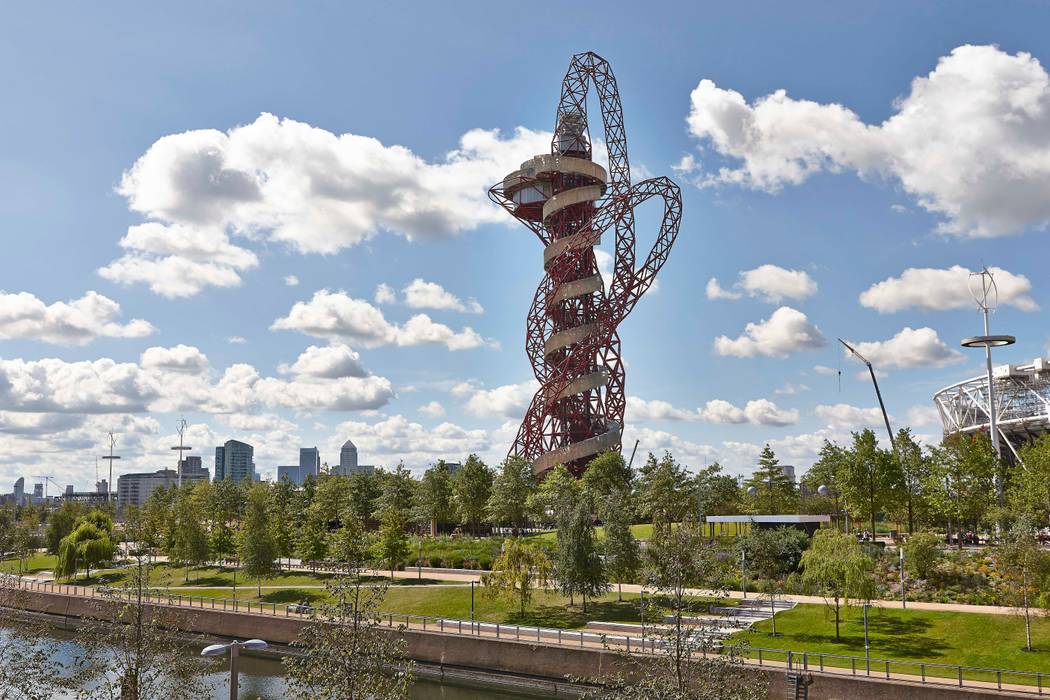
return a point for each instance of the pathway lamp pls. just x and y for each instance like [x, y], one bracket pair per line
[234, 649]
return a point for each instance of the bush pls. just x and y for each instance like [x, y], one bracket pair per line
[922, 553]
[485, 563]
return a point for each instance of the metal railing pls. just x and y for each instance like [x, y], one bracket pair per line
[1033, 682]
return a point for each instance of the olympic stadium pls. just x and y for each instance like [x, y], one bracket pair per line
[1022, 404]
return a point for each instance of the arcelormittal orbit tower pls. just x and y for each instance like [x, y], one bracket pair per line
[570, 202]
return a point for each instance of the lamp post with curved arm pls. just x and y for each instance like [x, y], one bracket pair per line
[234, 649]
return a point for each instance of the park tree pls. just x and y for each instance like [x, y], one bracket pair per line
[835, 565]
[282, 508]
[225, 507]
[24, 541]
[827, 471]
[365, 491]
[1029, 488]
[331, 498]
[312, 540]
[607, 474]
[558, 491]
[89, 544]
[471, 489]
[349, 544]
[622, 553]
[399, 490]
[434, 496]
[129, 652]
[256, 547]
[189, 536]
[392, 546]
[60, 523]
[1026, 567]
[915, 471]
[508, 501]
[521, 568]
[716, 492]
[871, 480]
[578, 566]
[774, 490]
[772, 554]
[663, 494]
[961, 482]
[344, 651]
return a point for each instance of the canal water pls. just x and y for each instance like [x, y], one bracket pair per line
[263, 678]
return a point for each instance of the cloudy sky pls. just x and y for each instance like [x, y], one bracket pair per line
[272, 221]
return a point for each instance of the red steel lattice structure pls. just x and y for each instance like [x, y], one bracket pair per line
[570, 202]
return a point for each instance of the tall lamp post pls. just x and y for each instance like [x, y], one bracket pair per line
[234, 649]
[986, 294]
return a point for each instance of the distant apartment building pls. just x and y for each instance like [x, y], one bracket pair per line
[192, 469]
[789, 471]
[235, 460]
[135, 489]
[20, 491]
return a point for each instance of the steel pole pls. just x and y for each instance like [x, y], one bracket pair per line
[993, 421]
[904, 596]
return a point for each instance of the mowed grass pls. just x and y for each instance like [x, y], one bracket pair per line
[954, 638]
[35, 564]
[640, 532]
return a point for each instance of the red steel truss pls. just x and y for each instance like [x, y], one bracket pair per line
[570, 202]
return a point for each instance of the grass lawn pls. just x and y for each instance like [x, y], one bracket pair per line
[965, 639]
[164, 575]
[640, 532]
[37, 562]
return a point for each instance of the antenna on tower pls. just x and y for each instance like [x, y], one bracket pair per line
[180, 427]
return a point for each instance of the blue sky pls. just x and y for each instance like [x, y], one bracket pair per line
[163, 174]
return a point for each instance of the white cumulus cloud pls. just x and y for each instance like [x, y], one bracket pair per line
[787, 330]
[770, 283]
[507, 401]
[420, 294]
[942, 289]
[970, 141]
[326, 362]
[911, 347]
[76, 322]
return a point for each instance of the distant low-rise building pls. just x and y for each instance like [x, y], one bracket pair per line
[135, 489]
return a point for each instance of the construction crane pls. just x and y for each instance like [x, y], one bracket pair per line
[878, 394]
[46, 479]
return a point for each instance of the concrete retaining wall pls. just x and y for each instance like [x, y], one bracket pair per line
[484, 653]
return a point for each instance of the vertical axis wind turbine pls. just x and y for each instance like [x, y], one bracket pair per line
[987, 298]
[181, 428]
[110, 457]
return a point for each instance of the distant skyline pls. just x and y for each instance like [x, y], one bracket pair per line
[272, 219]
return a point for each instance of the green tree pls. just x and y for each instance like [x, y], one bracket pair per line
[190, 538]
[836, 566]
[434, 497]
[1025, 565]
[392, 547]
[606, 474]
[284, 516]
[578, 565]
[664, 495]
[622, 556]
[773, 554]
[508, 501]
[961, 482]
[827, 471]
[349, 544]
[774, 490]
[471, 489]
[23, 543]
[519, 569]
[558, 490]
[225, 507]
[256, 547]
[89, 545]
[60, 523]
[331, 499]
[915, 471]
[871, 480]
[313, 539]
[345, 651]
[399, 490]
[716, 493]
[365, 491]
[1029, 487]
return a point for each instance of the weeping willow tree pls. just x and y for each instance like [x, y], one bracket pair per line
[90, 544]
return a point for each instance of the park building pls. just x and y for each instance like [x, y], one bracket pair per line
[235, 460]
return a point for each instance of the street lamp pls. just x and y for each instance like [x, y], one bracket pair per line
[867, 642]
[181, 428]
[987, 297]
[234, 648]
[110, 458]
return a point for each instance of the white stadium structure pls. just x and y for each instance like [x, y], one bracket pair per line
[1022, 402]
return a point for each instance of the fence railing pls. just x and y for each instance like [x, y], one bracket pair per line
[1033, 682]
